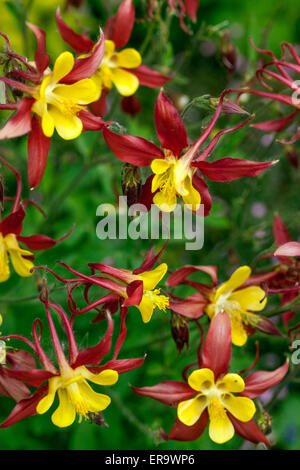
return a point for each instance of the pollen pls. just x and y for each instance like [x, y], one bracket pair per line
[160, 301]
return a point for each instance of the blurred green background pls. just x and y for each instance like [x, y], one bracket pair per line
[74, 184]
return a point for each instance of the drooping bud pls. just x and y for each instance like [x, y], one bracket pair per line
[131, 105]
[264, 421]
[131, 183]
[228, 106]
[180, 331]
[291, 155]
[98, 419]
[228, 51]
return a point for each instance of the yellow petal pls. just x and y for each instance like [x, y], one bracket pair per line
[4, 264]
[129, 58]
[45, 403]
[63, 65]
[251, 298]
[68, 126]
[47, 124]
[125, 82]
[189, 411]
[146, 308]
[220, 427]
[201, 379]
[238, 332]
[21, 265]
[109, 47]
[65, 414]
[192, 197]
[82, 92]
[231, 383]
[151, 278]
[236, 280]
[106, 377]
[166, 200]
[159, 166]
[95, 401]
[242, 408]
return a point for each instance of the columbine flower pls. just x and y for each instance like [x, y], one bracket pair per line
[70, 379]
[238, 302]
[122, 68]
[280, 71]
[214, 395]
[128, 288]
[57, 100]
[10, 237]
[178, 168]
[239, 297]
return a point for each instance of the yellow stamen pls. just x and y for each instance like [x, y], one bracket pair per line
[158, 300]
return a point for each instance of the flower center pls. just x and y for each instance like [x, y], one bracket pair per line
[224, 304]
[158, 300]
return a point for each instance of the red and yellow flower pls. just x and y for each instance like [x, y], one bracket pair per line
[128, 288]
[10, 236]
[240, 297]
[57, 100]
[178, 168]
[121, 68]
[70, 380]
[214, 396]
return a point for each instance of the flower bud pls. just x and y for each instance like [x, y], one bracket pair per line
[98, 419]
[264, 421]
[228, 51]
[180, 331]
[131, 105]
[131, 183]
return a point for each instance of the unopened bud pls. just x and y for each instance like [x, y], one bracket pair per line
[98, 419]
[228, 51]
[131, 105]
[291, 155]
[131, 183]
[180, 331]
[264, 421]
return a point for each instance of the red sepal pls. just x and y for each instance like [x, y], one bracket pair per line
[181, 274]
[148, 77]
[216, 353]
[181, 432]
[169, 126]
[170, 392]
[249, 431]
[41, 57]
[38, 149]
[229, 169]
[25, 408]
[86, 67]
[120, 26]
[20, 123]
[13, 223]
[260, 381]
[132, 149]
[79, 42]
